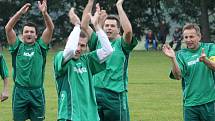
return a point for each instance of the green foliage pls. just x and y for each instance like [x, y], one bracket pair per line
[143, 14]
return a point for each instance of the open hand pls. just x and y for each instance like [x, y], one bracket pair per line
[25, 8]
[119, 3]
[95, 18]
[168, 51]
[91, 1]
[42, 5]
[74, 19]
[203, 55]
[102, 17]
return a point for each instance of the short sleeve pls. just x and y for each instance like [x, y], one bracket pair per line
[59, 67]
[211, 50]
[14, 46]
[92, 43]
[42, 44]
[94, 63]
[128, 47]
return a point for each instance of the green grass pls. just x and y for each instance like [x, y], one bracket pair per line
[152, 95]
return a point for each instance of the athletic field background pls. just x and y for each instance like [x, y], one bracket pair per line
[152, 95]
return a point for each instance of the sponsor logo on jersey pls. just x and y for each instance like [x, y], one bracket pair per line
[80, 70]
[193, 62]
[28, 54]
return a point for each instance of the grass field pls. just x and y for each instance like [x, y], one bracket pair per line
[152, 95]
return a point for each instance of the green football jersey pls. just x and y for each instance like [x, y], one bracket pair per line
[76, 93]
[115, 77]
[198, 81]
[3, 67]
[28, 62]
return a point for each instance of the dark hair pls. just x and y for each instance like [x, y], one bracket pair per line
[31, 24]
[114, 17]
[192, 26]
[83, 34]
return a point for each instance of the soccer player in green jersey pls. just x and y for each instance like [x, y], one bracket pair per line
[111, 84]
[74, 70]
[195, 65]
[4, 75]
[28, 62]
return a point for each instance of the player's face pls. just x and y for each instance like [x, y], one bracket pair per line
[111, 29]
[82, 47]
[191, 38]
[29, 35]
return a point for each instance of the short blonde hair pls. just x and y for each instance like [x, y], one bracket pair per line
[192, 26]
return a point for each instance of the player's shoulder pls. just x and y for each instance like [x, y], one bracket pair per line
[57, 54]
[184, 50]
[207, 45]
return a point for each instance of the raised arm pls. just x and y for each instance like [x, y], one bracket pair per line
[126, 25]
[106, 48]
[85, 21]
[10, 33]
[169, 52]
[210, 62]
[102, 17]
[72, 42]
[47, 33]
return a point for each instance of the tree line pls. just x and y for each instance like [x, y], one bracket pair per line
[143, 14]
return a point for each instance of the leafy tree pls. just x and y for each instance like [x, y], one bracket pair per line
[143, 14]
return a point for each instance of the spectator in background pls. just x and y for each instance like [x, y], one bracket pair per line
[150, 39]
[163, 31]
[177, 37]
